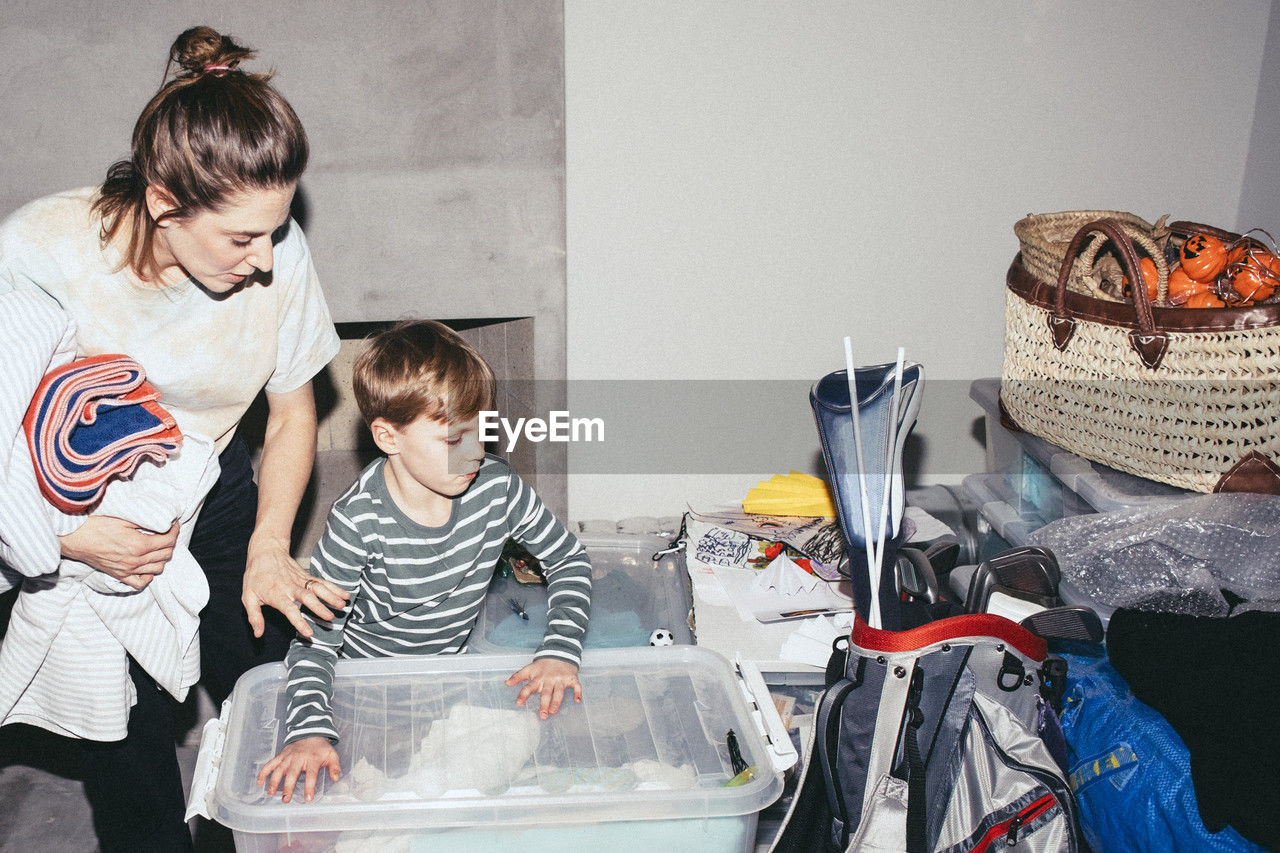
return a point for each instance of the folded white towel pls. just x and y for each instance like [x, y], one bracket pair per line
[63, 662]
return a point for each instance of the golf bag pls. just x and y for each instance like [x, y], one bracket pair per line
[886, 420]
[928, 740]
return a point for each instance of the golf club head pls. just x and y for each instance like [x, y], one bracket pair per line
[1042, 601]
[916, 577]
[943, 556]
[981, 579]
[1066, 623]
[1029, 567]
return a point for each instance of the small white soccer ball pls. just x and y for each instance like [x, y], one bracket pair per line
[662, 637]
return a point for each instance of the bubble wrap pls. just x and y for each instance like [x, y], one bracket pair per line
[1176, 558]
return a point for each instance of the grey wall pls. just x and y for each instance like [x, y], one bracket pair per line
[1260, 194]
[749, 181]
[437, 132]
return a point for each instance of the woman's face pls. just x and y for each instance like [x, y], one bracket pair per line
[221, 248]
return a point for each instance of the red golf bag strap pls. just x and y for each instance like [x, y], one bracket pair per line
[954, 628]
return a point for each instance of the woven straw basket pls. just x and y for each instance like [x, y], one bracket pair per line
[1189, 397]
[1044, 238]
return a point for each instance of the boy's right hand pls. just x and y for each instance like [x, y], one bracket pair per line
[309, 755]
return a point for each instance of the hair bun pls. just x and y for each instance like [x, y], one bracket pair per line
[202, 49]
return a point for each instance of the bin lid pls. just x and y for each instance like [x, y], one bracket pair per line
[632, 595]
[438, 741]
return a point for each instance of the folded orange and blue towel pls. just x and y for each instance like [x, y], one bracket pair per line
[93, 420]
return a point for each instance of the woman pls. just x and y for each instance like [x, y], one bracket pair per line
[186, 260]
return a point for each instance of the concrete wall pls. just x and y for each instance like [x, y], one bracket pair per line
[748, 182]
[437, 133]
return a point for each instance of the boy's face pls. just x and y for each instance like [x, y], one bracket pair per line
[440, 457]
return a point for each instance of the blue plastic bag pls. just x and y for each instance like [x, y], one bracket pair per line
[1130, 771]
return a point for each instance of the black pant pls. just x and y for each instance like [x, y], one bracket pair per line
[220, 543]
[133, 785]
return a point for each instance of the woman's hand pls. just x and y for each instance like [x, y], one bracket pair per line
[302, 757]
[274, 578]
[551, 678]
[271, 576]
[125, 551]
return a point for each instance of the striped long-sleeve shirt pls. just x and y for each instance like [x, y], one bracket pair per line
[418, 590]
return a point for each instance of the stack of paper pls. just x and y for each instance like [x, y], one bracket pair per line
[812, 640]
[785, 577]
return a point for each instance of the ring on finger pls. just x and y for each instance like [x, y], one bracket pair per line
[307, 586]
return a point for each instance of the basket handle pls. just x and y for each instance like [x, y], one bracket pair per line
[1149, 343]
[1186, 229]
[1089, 254]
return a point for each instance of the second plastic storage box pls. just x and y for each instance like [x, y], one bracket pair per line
[437, 757]
[1048, 482]
[795, 694]
[1001, 526]
[632, 595]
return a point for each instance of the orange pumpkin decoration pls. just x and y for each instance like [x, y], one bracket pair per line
[1268, 265]
[1253, 279]
[1237, 251]
[1150, 277]
[1182, 287]
[1203, 257]
[1204, 299]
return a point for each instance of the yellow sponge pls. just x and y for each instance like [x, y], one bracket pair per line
[796, 493]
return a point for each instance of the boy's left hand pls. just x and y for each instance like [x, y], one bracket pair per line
[551, 678]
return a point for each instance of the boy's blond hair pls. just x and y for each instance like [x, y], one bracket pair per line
[421, 367]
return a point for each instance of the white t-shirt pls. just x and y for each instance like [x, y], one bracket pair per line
[208, 355]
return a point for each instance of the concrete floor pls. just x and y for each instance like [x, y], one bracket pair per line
[45, 810]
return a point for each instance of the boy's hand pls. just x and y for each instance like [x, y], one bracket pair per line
[309, 755]
[550, 677]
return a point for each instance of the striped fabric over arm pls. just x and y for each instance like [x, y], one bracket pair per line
[339, 556]
[565, 564]
[35, 335]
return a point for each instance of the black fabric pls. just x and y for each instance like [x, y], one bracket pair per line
[860, 585]
[1217, 682]
[808, 825]
[220, 544]
[134, 786]
[917, 807]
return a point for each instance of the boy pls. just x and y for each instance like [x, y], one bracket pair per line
[415, 539]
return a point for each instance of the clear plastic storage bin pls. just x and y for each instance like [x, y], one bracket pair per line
[437, 757]
[1051, 483]
[632, 595]
[1002, 526]
[795, 693]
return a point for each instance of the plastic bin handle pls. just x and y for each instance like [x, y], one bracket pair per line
[765, 714]
[208, 763]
